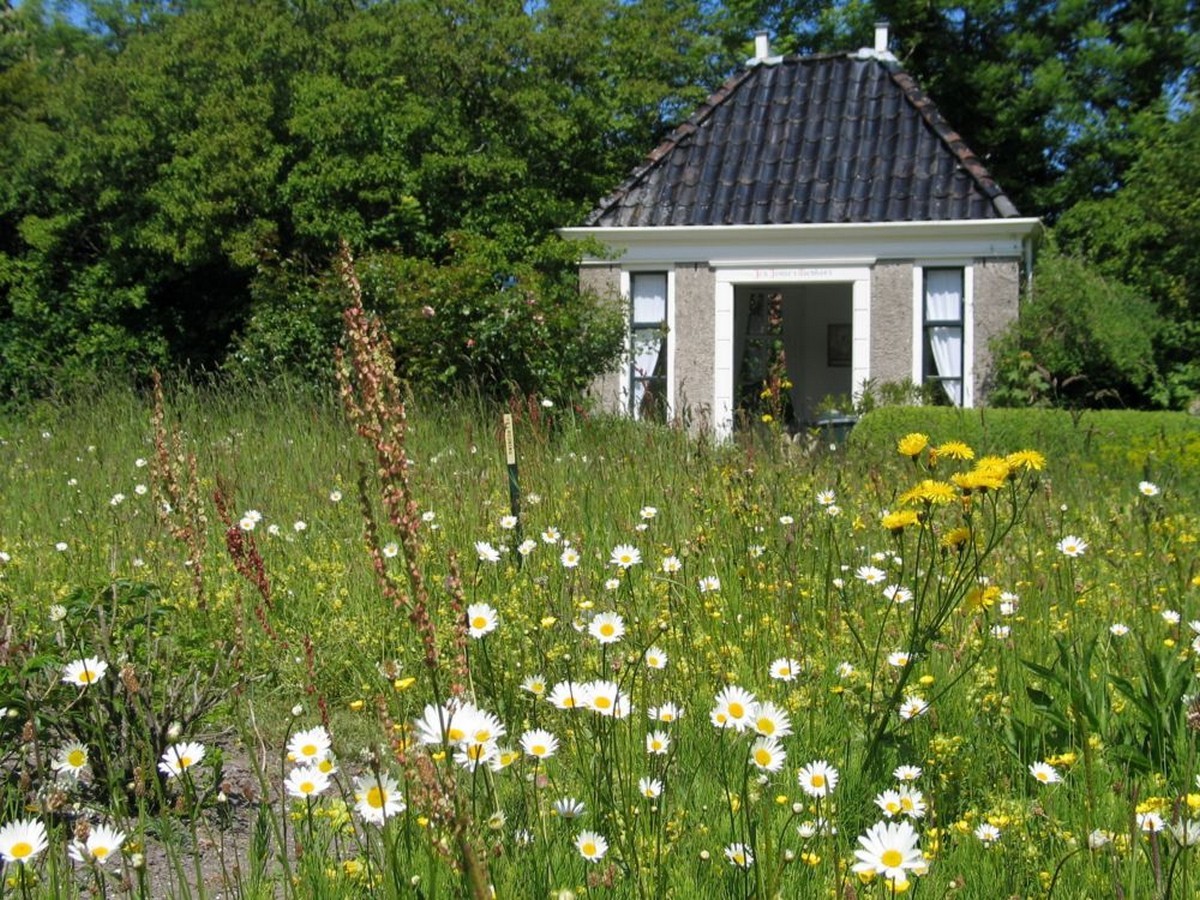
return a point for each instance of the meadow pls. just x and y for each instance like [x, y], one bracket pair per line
[257, 646]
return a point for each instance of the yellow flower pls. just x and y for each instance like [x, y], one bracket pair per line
[996, 466]
[1026, 459]
[956, 450]
[954, 538]
[930, 491]
[898, 521]
[983, 597]
[912, 444]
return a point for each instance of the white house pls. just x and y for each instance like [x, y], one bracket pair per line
[818, 214]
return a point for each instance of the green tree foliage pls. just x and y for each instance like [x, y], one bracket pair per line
[179, 180]
[1056, 94]
[1145, 237]
[1082, 340]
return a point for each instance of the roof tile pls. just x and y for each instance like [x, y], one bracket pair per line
[809, 140]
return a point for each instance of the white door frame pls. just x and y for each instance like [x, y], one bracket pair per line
[858, 277]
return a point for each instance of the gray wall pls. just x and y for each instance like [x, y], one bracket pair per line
[695, 336]
[997, 298]
[891, 321]
[605, 281]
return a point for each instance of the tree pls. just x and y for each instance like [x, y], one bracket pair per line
[180, 187]
[1145, 236]
[1054, 94]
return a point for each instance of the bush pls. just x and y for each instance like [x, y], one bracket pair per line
[1082, 341]
[479, 322]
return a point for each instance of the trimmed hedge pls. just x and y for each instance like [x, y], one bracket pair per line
[1108, 445]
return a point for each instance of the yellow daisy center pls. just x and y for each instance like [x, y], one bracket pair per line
[307, 787]
[184, 762]
[607, 629]
[891, 858]
[602, 702]
[766, 726]
[77, 758]
[589, 849]
[308, 750]
[455, 734]
[762, 756]
[478, 623]
[737, 710]
[100, 852]
[20, 850]
[539, 749]
[87, 676]
[375, 798]
[818, 780]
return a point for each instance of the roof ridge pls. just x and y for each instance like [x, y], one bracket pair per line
[953, 141]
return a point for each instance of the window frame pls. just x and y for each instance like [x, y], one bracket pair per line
[924, 368]
[663, 383]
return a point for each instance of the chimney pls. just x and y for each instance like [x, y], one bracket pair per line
[762, 45]
[881, 36]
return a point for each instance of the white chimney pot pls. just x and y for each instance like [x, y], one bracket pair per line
[762, 45]
[881, 37]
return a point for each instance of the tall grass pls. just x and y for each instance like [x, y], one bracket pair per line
[762, 576]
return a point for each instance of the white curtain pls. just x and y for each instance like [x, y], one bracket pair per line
[648, 344]
[944, 303]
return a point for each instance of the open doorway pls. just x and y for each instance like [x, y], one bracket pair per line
[792, 349]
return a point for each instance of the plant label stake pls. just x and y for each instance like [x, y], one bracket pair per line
[514, 487]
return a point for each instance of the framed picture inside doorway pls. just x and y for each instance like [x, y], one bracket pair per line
[838, 345]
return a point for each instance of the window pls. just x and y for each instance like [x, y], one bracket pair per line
[648, 346]
[943, 332]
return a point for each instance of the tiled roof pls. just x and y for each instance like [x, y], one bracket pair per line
[801, 140]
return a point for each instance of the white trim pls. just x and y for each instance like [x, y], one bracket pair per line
[722, 400]
[968, 384]
[671, 342]
[626, 288]
[858, 277]
[765, 245]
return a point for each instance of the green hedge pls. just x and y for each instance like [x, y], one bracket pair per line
[1109, 445]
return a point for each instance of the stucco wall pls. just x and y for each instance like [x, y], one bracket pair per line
[695, 339]
[997, 297]
[605, 281]
[891, 321]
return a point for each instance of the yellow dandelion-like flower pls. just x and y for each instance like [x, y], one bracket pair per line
[1030, 460]
[912, 444]
[995, 466]
[955, 450]
[898, 521]
[955, 538]
[930, 491]
[983, 597]
[978, 480]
